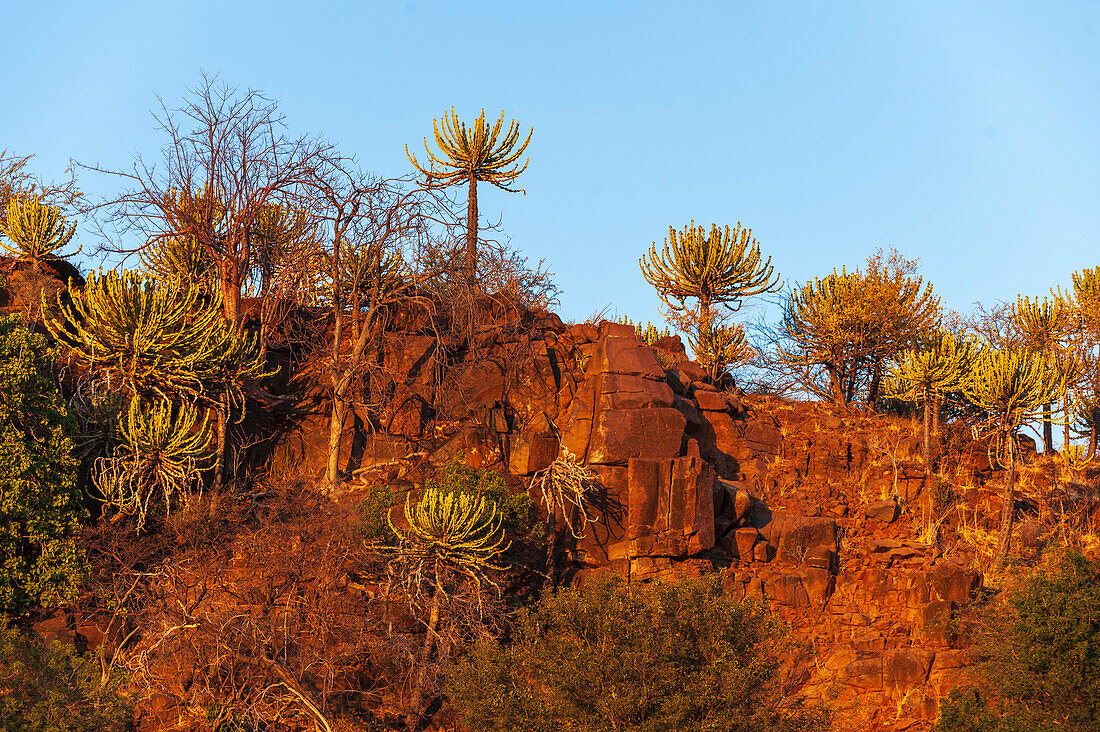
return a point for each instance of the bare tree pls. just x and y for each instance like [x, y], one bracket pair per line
[227, 161]
[378, 242]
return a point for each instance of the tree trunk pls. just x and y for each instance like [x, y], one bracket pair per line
[1008, 506]
[1048, 429]
[335, 432]
[937, 402]
[928, 407]
[412, 717]
[1092, 433]
[876, 381]
[1065, 423]
[222, 439]
[341, 381]
[231, 292]
[471, 232]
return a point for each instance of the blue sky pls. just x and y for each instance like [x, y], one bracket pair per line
[965, 134]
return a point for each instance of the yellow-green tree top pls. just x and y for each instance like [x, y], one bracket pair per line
[155, 338]
[161, 449]
[479, 152]
[941, 365]
[839, 330]
[866, 313]
[1042, 325]
[722, 266]
[461, 529]
[181, 259]
[719, 346]
[1012, 386]
[35, 229]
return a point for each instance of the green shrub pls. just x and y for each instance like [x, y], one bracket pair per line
[1040, 657]
[54, 689]
[40, 504]
[373, 509]
[629, 657]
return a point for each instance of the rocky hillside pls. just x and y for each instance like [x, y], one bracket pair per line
[831, 518]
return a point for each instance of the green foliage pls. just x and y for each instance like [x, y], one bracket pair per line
[36, 230]
[939, 365]
[1040, 657]
[717, 347]
[648, 333]
[475, 153]
[152, 338]
[1011, 386]
[722, 266]
[374, 510]
[54, 689]
[40, 504]
[181, 260]
[630, 658]
[516, 511]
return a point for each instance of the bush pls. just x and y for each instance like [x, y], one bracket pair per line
[617, 656]
[54, 689]
[41, 507]
[1040, 657]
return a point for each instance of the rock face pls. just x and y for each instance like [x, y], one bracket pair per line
[807, 509]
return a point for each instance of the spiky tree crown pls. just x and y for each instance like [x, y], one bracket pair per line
[718, 347]
[37, 230]
[480, 151]
[1042, 325]
[1012, 386]
[161, 449]
[865, 313]
[941, 365]
[722, 266]
[183, 260]
[155, 339]
[460, 529]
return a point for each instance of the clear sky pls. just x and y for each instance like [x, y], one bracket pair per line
[965, 134]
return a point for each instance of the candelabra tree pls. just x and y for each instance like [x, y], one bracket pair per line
[922, 375]
[36, 230]
[712, 268]
[1012, 386]
[481, 152]
[1043, 327]
[456, 532]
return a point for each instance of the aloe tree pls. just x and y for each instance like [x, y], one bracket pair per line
[719, 267]
[1042, 327]
[482, 152]
[922, 375]
[1013, 387]
[456, 531]
[36, 230]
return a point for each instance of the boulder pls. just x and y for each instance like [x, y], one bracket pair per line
[787, 589]
[531, 453]
[624, 356]
[712, 401]
[623, 391]
[885, 511]
[905, 668]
